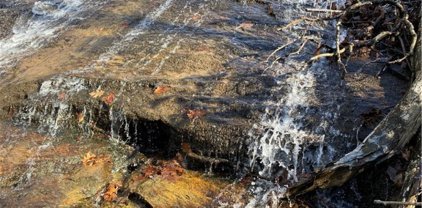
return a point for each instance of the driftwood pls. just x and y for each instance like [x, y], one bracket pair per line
[413, 175]
[413, 182]
[388, 138]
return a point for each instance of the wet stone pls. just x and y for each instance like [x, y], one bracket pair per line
[173, 103]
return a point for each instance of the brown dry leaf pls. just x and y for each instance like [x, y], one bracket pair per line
[220, 17]
[111, 193]
[80, 117]
[171, 170]
[246, 25]
[196, 17]
[89, 159]
[194, 114]
[61, 96]
[97, 93]
[186, 148]
[147, 172]
[161, 90]
[109, 99]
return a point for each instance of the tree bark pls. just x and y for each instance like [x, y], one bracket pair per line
[412, 181]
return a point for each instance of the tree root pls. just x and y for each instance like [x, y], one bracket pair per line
[402, 29]
[391, 135]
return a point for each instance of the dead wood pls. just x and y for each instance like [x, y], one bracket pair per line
[413, 176]
[387, 139]
[391, 135]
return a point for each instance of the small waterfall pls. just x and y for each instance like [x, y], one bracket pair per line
[295, 131]
[63, 106]
[291, 136]
[50, 118]
[281, 142]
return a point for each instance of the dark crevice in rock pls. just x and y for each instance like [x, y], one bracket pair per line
[154, 138]
[139, 200]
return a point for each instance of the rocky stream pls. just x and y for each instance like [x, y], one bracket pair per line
[183, 103]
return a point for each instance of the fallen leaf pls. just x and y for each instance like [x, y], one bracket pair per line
[161, 90]
[125, 25]
[196, 17]
[61, 96]
[171, 170]
[89, 159]
[109, 99]
[147, 172]
[186, 148]
[97, 93]
[246, 26]
[111, 192]
[406, 154]
[80, 117]
[194, 114]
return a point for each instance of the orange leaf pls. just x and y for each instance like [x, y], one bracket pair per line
[109, 99]
[186, 148]
[196, 17]
[147, 172]
[80, 117]
[171, 169]
[97, 93]
[194, 114]
[246, 25]
[89, 159]
[61, 96]
[161, 90]
[111, 192]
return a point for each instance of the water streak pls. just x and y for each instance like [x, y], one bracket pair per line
[139, 29]
[48, 19]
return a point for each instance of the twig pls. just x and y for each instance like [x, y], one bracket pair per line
[378, 60]
[205, 159]
[279, 49]
[297, 21]
[385, 203]
[272, 63]
[404, 50]
[323, 10]
[382, 70]
[339, 62]
[358, 44]
[322, 55]
[300, 48]
[412, 32]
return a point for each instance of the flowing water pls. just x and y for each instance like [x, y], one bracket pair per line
[302, 120]
[44, 22]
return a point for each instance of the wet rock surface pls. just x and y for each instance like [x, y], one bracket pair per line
[40, 171]
[193, 83]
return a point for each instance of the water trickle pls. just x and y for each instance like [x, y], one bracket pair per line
[48, 19]
[48, 109]
[281, 142]
[294, 133]
[135, 32]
